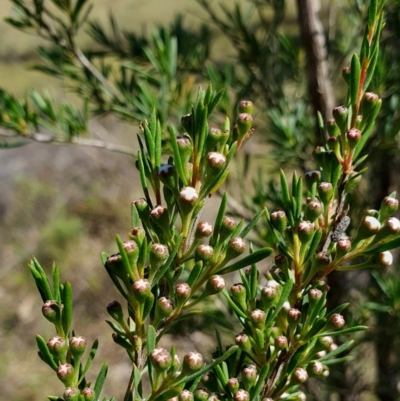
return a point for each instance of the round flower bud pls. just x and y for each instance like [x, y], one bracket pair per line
[332, 128]
[340, 115]
[353, 137]
[312, 178]
[236, 247]
[185, 147]
[244, 122]
[167, 175]
[369, 227]
[204, 229]
[385, 258]
[241, 395]
[77, 346]
[114, 309]
[192, 362]
[368, 103]
[164, 308]
[161, 359]
[243, 341]
[158, 255]
[233, 384]
[279, 220]
[88, 394]
[315, 368]
[58, 347]
[159, 214]
[215, 162]
[246, 106]
[313, 210]
[188, 195]
[389, 205]
[200, 395]
[325, 192]
[213, 137]
[294, 314]
[142, 208]
[326, 341]
[300, 375]
[215, 285]
[71, 394]
[281, 342]
[268, 296]
[258, 318]
[141, 289]
[393, 225]
[249, 376]
[65, 372]
[337, 321]
[132, 251]
[315, 294]
[182, 292]
[305, 231]
[228, 225]
[51, 311]
[204, 253]
[137, 234]
[320, 261]
[185, 395]
[281, 262]
[239, 295]
[343, 246]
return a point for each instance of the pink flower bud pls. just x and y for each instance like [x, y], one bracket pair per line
[300, 375]
[192, 362]
[204, 229]
[88, 394]
[281, 342]
[65, 372]
[337, 321]
[241, 395]
[161, 359]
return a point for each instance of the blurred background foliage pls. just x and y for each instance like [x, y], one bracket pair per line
[66, 203]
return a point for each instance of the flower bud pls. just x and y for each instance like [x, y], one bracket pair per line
[137, 234]
[243, 341]
[241, 395]
[132, 251]
[114, 309]
[204, 230]
[233, 384]
[281, 342]
[239, 295]
[161, 359]
[71, 394]
[325, 192]
[281, 262]
[249, 376]
[214, 285]
[312, 178]
[314, 296]
[158, 255]
[167, 175]
[369, 227]
[305, 231]
[188, 198]
[268, 296]
[213, 137]
[368, 103]
[244, 123]
[200, 395]
[185, 395]
[300, 375]
[204, 253]
[320, 261]
[340, 115]
[187, 123]
[385, 258]
[185, 147]
[337, 321]
[343, 246]
[192, 362]
[294, 314]
[258, 317]
[51, 311]
[159, 215]
[58, 347]
[313, 210]
[142, 208]
[389, 205]
[122, 341]
[77, 346]
[325, 341]
[228, 225]
[65, 372]
[88, 394]
[279, 220]
[182, 293]
[332, 128]
[215, 162]
[246, 106]
[164, 308]
[346, 74]
[353, 137]
[315, 368]
[236, 247]
[141, 289]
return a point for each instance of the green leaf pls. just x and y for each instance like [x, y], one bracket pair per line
[67, 300]
[89, 360]
[285, 191]
[169, 393]
[45, 353]
[218, 220]
[345, 331]
[355, 75]
[98, 385]
[124, 257]
[251, 224]
[151, 339]
[256, 390]
[337, 351]
[135, 219]
[137, 378]
[194, 274]
[177, 157]
[232, 304]
[56, 283]
[372, 13]
[248, 260]
[387, 246]
[287, 288]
